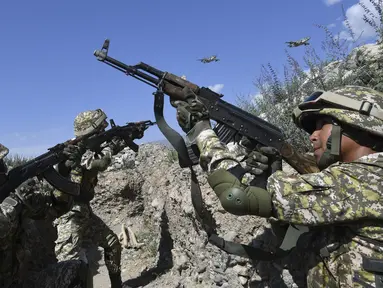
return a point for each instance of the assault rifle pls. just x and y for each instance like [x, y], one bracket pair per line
[42, 166]
[128, 132]
[232, 122]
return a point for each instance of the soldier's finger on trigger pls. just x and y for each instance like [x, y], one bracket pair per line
[259, 157]
[269, 150]
[263, 167]
[256, 171]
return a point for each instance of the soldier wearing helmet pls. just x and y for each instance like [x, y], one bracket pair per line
[29, 201]
[81, 227]
[341, 204]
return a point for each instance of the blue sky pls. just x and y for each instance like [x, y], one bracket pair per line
[49, 74]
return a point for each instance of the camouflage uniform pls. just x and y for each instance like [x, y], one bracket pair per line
[80, 227]
[14, 255]
[346, 197]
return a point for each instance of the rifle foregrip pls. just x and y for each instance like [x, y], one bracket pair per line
[304, 164]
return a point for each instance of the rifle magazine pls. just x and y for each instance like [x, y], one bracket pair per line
[61, 183]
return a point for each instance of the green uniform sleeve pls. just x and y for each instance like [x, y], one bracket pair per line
[340, 193]
[97, 161]
[214, 155]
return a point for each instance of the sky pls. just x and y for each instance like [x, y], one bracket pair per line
[48, 73]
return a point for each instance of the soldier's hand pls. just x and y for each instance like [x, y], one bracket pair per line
[74, 154]
[274, 158]
[257, 163]
[248, 144]
[117, 145]
[261, 159]
[262, 164]
[191, 111]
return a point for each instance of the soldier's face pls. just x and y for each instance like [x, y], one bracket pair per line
[320, 136]
[349, 149]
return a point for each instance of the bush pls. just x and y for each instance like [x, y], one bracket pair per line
[172, 156]
[278, 96]
[14, 160]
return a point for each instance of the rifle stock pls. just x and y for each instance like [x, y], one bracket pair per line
[231, 120]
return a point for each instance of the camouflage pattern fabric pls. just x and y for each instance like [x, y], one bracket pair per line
[66, 274]
[9, 229]
[221, 158]
[90, 160]
[241, 154]
[14, 254]
[87, 121]
[80, 228]
[345, 196]
[3, 151]
[355, 119]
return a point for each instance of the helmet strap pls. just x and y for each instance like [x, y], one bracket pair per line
[332, 154]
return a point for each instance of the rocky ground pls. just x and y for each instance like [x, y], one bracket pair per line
[149, 193]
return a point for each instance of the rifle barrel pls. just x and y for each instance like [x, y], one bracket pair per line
[127, 69]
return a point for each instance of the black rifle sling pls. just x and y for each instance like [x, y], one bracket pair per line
[179, 145]
[173, 137]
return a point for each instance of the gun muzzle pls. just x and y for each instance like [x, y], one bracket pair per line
[101, 56]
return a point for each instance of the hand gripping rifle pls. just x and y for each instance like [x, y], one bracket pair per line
[42, 166]
[230, 119]
[128, 132]
[231, 123]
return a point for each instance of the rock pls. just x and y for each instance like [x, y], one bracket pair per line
[219, 279]
[202, 268]
[157, 203]
[363, 58]
[180, 261]
[151, 194]
[243, 280]
[230, 235]
[241, 270]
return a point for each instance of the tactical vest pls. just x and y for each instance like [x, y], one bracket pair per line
[336, 239]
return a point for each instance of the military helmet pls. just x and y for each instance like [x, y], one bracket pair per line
[356, 107]
[88, 121]
[3, 151]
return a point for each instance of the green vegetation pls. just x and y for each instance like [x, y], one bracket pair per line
[172, 156]
[340, 62]
[13, 160]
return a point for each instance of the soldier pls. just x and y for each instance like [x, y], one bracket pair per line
[341, 205]
[25, 203]
[80, 227]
